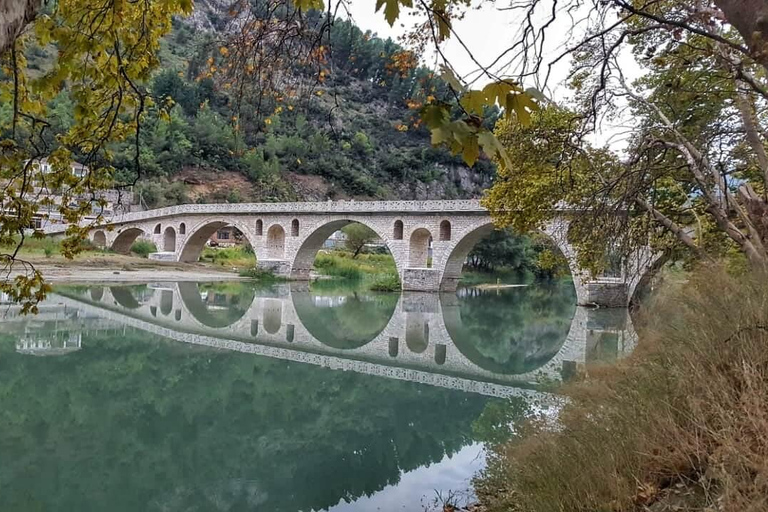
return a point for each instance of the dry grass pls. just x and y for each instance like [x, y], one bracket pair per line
[683, 423]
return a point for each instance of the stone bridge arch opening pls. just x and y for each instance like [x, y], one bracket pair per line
[419, 249]
[169, 240]
[275, 242]
[125, 239]
[213, 308]
[458, 254]
[343, 319]
[100, 239]
[327, 238]
[201, 234]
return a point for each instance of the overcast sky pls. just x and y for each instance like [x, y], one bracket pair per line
[487, 32]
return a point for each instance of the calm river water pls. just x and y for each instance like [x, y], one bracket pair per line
[227, 396]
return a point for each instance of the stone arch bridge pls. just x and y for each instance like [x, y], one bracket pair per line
[287, 236]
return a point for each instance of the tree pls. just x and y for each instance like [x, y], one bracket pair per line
[503, 249]
[358, 236]
[105, 53]
[696, 169]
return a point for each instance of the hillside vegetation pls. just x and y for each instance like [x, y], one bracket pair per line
[356, 135]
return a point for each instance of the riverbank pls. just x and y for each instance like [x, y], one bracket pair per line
[681, 425]
[104, 267]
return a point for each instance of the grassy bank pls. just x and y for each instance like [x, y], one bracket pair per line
[235, 257]
[378, 271]
[681, 425]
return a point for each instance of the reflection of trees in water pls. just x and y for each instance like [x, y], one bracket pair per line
[352, 323]
[142, 425]
[510, 331]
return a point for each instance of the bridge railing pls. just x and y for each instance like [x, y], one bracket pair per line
[317, 207]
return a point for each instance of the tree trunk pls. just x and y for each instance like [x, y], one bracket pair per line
[750, 18]
[14, 16]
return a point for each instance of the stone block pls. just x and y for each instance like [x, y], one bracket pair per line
[277, 267]
[421, 279]
[607, 294]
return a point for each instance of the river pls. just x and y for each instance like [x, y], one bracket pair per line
[231, 396]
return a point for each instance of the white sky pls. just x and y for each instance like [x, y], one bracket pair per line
[487, 32]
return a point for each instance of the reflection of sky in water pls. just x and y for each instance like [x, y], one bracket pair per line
[417, 489]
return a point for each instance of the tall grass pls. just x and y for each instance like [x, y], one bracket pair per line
[337, 266]
[683, 423]
[237, 256]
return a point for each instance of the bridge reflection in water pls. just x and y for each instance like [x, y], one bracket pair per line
[467, 340]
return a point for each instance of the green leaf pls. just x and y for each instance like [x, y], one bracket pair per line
[535, 94]
[473, 102]
[391, 8]
[440, 135]
[522, 105]
[435, 115]
[492, 147]
[496, 92]
[462, 135]
[449, 77]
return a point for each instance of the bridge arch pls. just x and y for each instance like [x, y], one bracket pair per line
[445, 230]
[418, 249]
[305, 256]
[166, 302]
[100, 239]
[199, 235]
[275, 242]
[351, 323]
[397, 230]
[125, 239]
[169, 240]
[458, 252]
[219, 318]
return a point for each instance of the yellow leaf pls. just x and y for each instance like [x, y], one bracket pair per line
[496, 92]
[448, 76]
[522, 105]
[443, 25]
[471, 150]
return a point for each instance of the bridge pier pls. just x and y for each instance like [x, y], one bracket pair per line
[280, 268]
[605, 293]
[421, 279]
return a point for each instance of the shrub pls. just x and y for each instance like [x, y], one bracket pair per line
[259, 274]
[237, 256]
[143, 248]
[386, 283]
[685, 418]
[337, 265]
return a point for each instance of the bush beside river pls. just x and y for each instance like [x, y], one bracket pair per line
[680, 425]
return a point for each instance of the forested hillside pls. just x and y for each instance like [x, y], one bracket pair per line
[355, 134]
